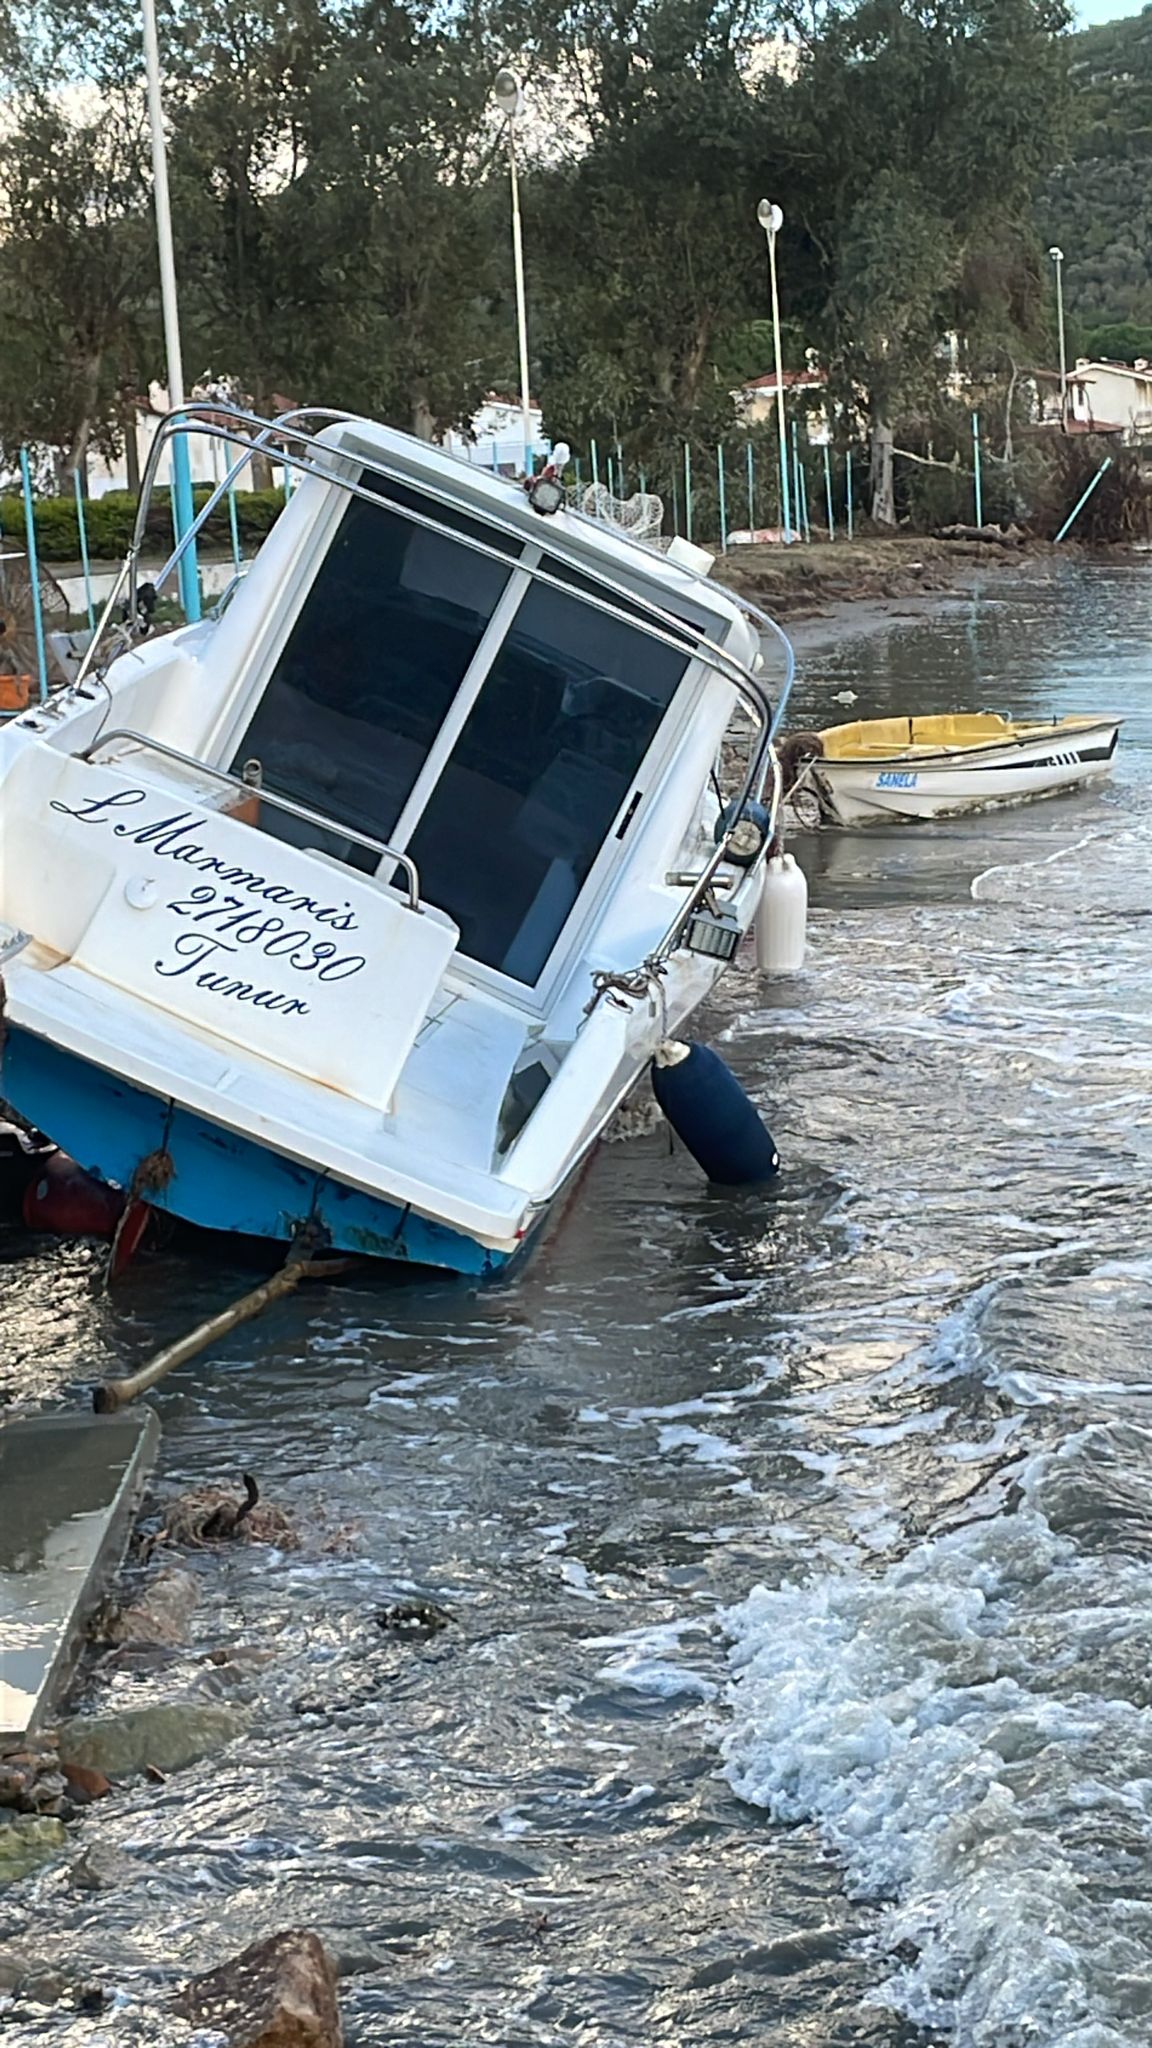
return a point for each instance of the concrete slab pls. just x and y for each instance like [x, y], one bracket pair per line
[69, 1487]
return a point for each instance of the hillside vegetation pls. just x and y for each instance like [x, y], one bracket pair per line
[1098, 205]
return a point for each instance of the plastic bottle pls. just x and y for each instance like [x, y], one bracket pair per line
[782, 919]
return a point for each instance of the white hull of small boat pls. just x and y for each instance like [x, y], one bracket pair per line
[863, 777]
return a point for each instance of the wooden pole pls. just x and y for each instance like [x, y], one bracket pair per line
[113, 1394]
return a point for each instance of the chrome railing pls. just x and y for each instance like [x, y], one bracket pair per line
[297, 448]
[289, 804]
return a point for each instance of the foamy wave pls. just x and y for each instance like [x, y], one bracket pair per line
[969, 1729]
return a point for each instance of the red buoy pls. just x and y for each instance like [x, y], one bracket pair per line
[63, 1198]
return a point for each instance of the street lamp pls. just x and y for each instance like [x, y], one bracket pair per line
[508, 95]
[771, 219]
[1057, 256]
[182, 508]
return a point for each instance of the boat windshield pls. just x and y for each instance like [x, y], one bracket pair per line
[382, 643]
[502, 758]
[545, 763]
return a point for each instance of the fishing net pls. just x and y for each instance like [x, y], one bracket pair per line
[641, 516]
[18, 654]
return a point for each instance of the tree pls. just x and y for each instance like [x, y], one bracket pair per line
[75, 274]
[946, 117]
[646, 252]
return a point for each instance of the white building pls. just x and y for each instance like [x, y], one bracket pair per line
[1103, 398]
[495, 436]
[208, 459]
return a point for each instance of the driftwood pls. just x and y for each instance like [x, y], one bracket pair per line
[113, 1394]
[996, 536]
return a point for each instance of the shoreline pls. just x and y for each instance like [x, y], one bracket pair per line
[812, 580]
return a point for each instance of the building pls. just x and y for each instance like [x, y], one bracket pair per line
[1103, 398]
[804, 396]
[209, 459]
[495, 436]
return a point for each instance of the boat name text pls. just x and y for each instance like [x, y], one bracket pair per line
[225, 923]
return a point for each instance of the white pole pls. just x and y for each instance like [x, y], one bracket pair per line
[771, 219]
[181, 468]
[1057, 256]
[163, 209]
[508, 96]
[521, 303]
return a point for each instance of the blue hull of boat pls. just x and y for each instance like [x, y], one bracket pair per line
[220, 1180]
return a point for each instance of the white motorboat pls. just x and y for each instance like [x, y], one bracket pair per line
[934, 767]
[357, 908]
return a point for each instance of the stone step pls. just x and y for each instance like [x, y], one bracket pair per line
[69, 1487]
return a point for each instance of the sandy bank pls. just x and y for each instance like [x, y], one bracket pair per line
[809, 578]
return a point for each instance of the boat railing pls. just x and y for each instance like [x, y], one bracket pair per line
[296, 447]
[288, 804]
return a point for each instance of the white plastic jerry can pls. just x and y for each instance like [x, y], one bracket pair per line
[782, 920]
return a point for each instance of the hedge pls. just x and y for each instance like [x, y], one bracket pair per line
[110, 521]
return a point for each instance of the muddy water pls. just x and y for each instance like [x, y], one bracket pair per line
[796, 1552]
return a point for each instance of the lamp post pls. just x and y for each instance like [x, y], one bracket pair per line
[508, 95]
[771, 219]
[1057, 256]
[182, 508]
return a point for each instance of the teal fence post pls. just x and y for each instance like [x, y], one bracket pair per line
[751, 466]
[723, 499]
[828, 491]
[687, 491]
[848, 491]
[34, 573]
[1082, 500]
[976, 469]
[82, 531]
[796, 482]
[594, 458]
[234, 528]
[183, 519]
[643, 484]
[785, 509]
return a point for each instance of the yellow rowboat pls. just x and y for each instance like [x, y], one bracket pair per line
[937, 766]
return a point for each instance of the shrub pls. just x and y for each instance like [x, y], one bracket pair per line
[110, 521]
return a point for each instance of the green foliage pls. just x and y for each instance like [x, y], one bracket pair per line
[341, 202]
[1097, 206]
[75, 274]
[110, 521]
[1126, 342]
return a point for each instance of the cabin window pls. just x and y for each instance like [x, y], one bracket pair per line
[384, 639]
[544, 763]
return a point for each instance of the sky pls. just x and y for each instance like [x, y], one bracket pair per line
[1088, 12]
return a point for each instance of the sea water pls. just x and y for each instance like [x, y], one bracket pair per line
[796, 1549]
